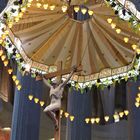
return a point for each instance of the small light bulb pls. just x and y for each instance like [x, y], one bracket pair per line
[92, 120]
[126, 39]
[19, 87]
[97, 120]
[137, 104]
[87, 120]
[36, 100]
[109, 20]
[66, 114]
[76, 9]
[118, 31]
[10, 71]
[5, 63]
[84, 10]
[121, 114]
[134, 46]
[90, 12]
[42, 103]
[106, 118]
[30, 97]
[113, 25]
[126, 112]
[72, 118]
[52, 7]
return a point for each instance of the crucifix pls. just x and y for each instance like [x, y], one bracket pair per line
[56, 92]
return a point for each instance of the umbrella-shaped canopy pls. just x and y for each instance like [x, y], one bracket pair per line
[50, 36]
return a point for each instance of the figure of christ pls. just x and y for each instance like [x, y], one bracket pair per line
[56, 93]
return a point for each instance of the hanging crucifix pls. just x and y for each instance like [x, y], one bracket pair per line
[56, 93]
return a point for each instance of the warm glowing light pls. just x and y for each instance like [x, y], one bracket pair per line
[28, 4]
[109, 20]
[10, 71]
[113, 25]
[30, 97]
[61, 112]
[87, 120]
[1, 52]
[126, 39]
[42, 103]
[116, 116]
[3, 36]
[45, 6]
[16, 19]
[84, 10]
[16, 82]
[19, 87]
[97, 120]
[72, 118]
[6, 32]
[3, 57]
[134, 46]
[52, 7]
[139, 95]
[90, 12]
[76, 9]
[106, 118]
[38, 5]
[20, 15]
[10, 24]
[138, 99]
[5, 63]
[138, 51]
[118, 31]
[23, 9]
[92, 120]
[137, 104]
[36, 100]
[14, 77]
[30, 1]
[1, 40]
[64, 8]
[121, 114]
[126, 112]
[66, 114]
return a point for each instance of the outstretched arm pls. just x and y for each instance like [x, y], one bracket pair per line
[46, 82]
[70, 75]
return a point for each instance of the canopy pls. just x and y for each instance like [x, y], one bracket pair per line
[50, 36]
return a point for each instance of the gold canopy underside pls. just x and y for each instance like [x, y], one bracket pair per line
[51, 36]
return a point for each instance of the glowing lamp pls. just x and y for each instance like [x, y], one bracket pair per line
[30, 1]
[118, 31]
[64, 8]
[72, 118]
[84, 10]
[6, 32]
[23, 9]
[76, 9]
[10, 71]
[134, 46]
[109, 20]
[42, 103]
[66, 114]
[116, 116]
[139, 95]
[126, 39]
[97, 120]
[29, 4]
[30, 97]
[14, 77]
[20, 15]
[61, 112]
[3, 57]
[138, 99]
[92, 120]
[3, 36]
[45, 6]
[137, 104]
[19, 87]
[38, 5]
[138, 51]
[121, 114]
[90, 12]
[113, 25]
[106, 118]
[1, 52]
[10, 24]
[52, 7]
[16, 82]
[16, 19]
[5, 63]
[126, 112]
[36, 100]
[1, 40]
[87, 120]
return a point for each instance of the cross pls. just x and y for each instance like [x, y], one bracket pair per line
[58, 74]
